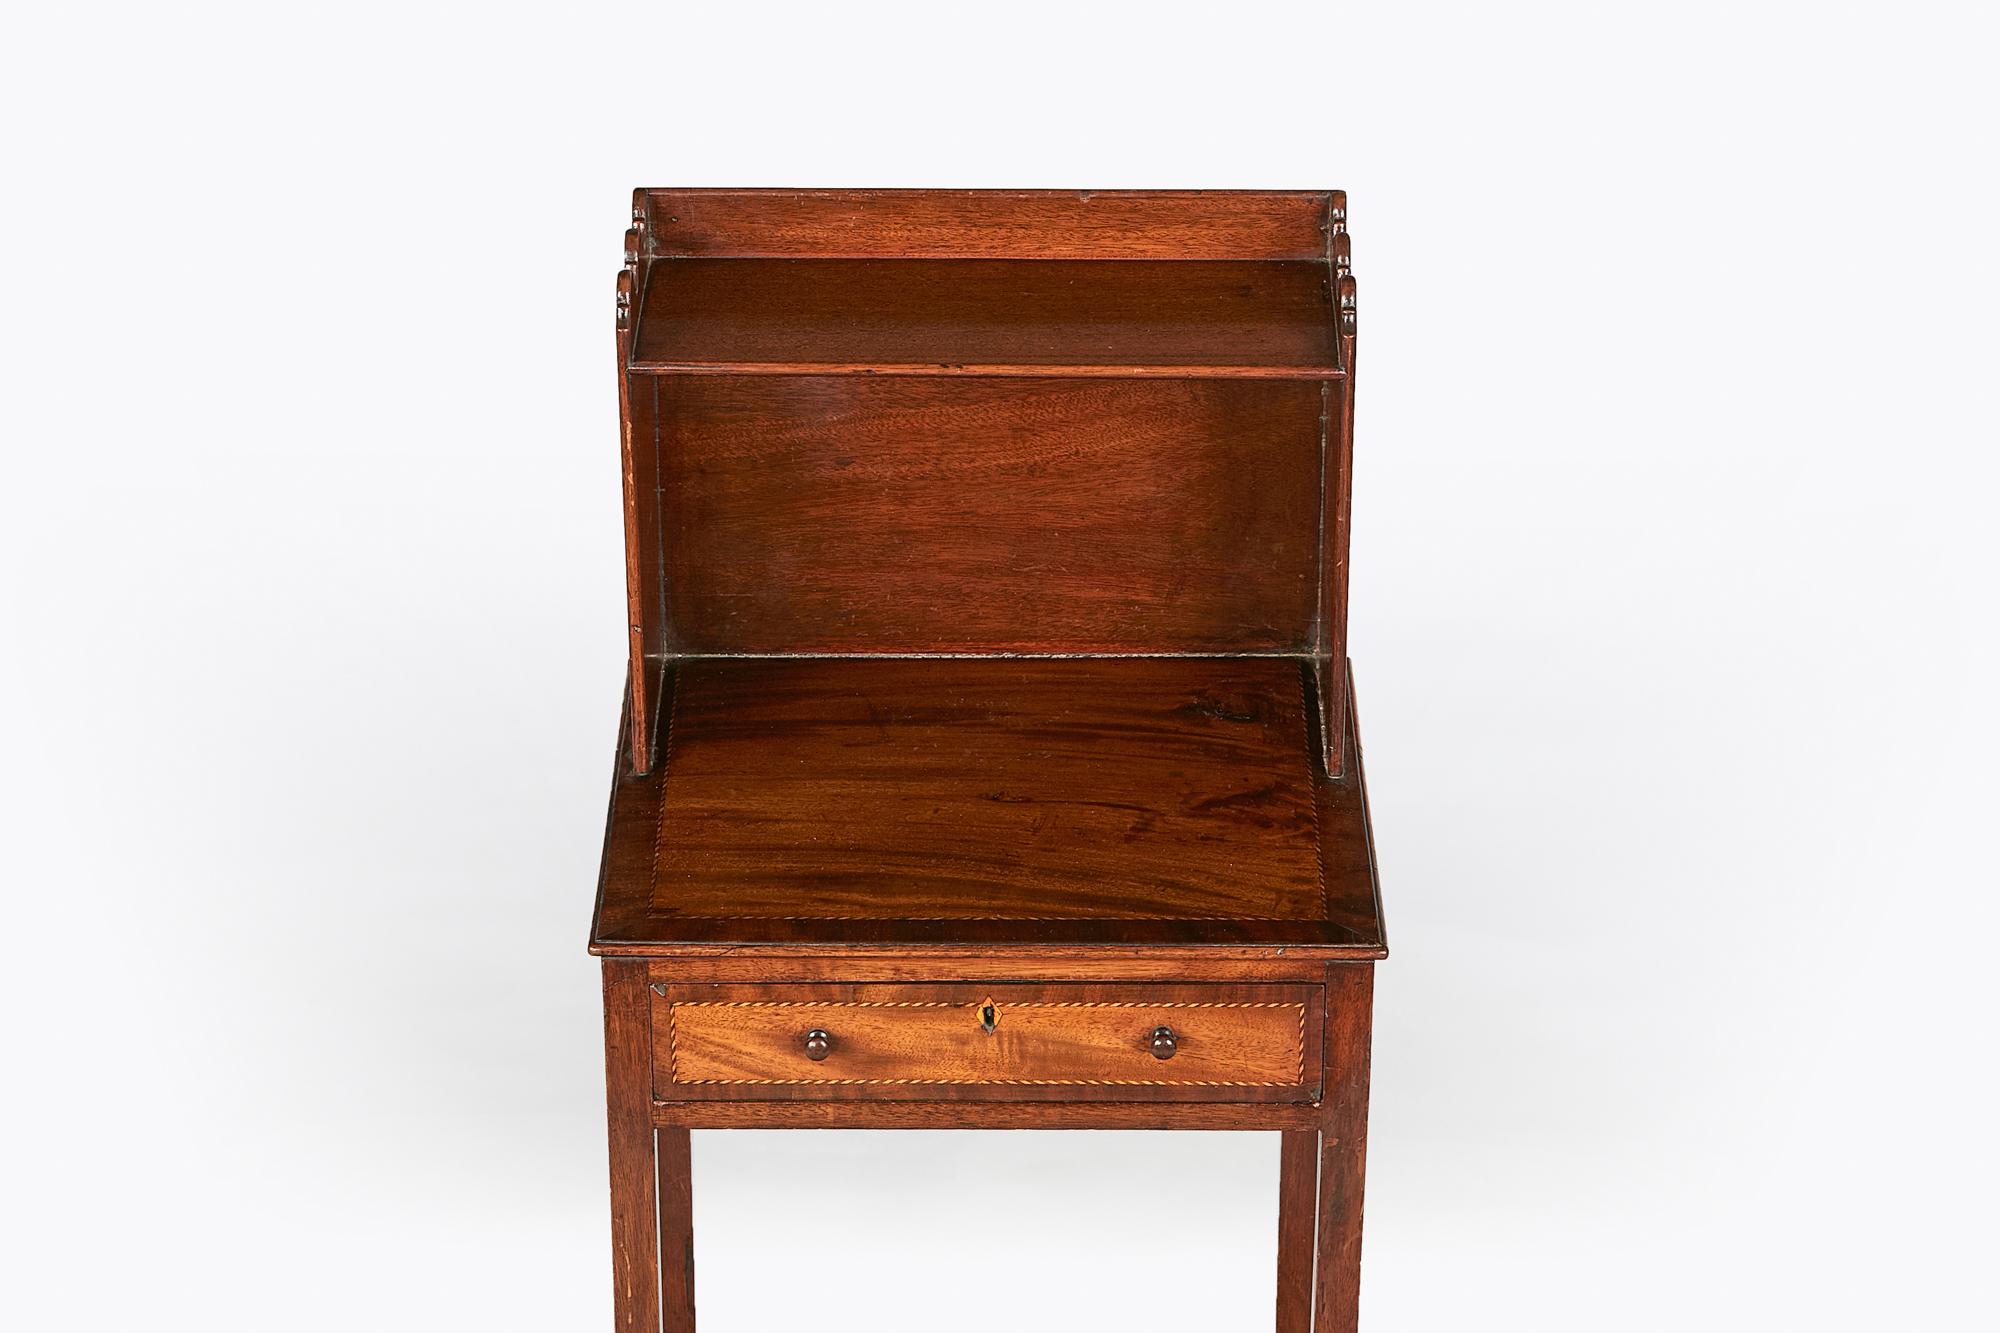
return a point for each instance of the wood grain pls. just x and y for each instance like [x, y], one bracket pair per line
[645, 610]
[864, 964]
[880, 1114]
[1335, 687]
[1298, 1172]
[1073, 1043]
[988, 317]
[1343, 1147]
[1336, 692]
[989, 224]
[814, 831]
[988, 790]
[843, 515]
[987, 586]
[1347, 837]
[676, 1185]
[634, 1203]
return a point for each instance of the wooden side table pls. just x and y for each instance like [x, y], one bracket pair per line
[989, 758]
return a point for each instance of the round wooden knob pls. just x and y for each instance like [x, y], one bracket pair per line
[818, 1043]
[1164, 1043]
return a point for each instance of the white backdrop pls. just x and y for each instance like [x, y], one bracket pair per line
[1673, 603]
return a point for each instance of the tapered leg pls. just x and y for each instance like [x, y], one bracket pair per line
[1343, 1151]
[1298, 1182]
[628, 1078]
[676, 1231]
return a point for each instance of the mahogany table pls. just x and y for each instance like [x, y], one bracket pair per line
[989, 756]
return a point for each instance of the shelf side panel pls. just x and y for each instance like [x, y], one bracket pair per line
[1337, 505]
[644, 602]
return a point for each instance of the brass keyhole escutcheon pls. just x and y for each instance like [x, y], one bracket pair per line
[988, 1018]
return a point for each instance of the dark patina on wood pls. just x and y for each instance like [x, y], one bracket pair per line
[989, 756]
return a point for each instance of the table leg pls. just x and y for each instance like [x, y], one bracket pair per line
[676, 1231]
[628, 1085]
[1343, 1146]
[1298, 1181]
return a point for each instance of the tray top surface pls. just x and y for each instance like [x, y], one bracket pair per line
[988, 800]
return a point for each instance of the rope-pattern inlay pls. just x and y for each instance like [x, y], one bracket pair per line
[674, 1066]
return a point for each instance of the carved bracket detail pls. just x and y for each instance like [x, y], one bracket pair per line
[628, 277]
[1340, 253]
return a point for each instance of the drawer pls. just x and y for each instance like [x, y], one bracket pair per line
[1249, 1043]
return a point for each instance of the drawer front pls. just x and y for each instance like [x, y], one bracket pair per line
[1009, 1042]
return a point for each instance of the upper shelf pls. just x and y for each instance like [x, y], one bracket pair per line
[1107, 317]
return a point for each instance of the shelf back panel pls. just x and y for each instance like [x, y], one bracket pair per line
[988, 224]
[880, 515]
